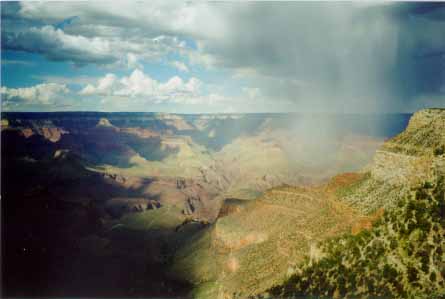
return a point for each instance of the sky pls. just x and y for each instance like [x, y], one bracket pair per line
[222, 57]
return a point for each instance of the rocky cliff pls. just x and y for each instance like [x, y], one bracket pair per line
[404, 162]
[402, 254]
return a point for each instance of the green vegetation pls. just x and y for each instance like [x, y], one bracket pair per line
[349, 189]
[195, 262]
[259, 244]
[167, 217]
[402, 256]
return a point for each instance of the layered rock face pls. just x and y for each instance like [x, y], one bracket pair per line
[403, 162]
[424, 135]
[402, 255]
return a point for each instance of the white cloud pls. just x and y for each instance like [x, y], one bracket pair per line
[181, 66]
[137, 84]
[140, 85]
[104, 86]
[106, 83]
[46, 93]
[88, 90]
[133, 61]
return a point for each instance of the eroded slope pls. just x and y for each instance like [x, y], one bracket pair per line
[259, 244]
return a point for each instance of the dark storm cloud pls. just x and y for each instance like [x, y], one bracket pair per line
[364, 57]
[54, 44]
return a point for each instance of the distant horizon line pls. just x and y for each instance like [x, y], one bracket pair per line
[210, 113]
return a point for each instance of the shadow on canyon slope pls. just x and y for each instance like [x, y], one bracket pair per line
[59, 239]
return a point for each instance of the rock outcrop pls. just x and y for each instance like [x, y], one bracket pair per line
[53, 134]
[117, 207]
[402, 163]
[424, 135]
[103, 122]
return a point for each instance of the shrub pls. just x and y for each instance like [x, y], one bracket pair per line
[400, 257]
[439, 150]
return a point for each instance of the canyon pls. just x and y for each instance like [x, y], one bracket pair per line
[208, 205]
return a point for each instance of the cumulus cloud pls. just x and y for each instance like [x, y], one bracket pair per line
[140, 85]
[104, 86]
[45, 94]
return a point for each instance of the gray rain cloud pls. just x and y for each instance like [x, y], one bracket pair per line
[339, 55]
